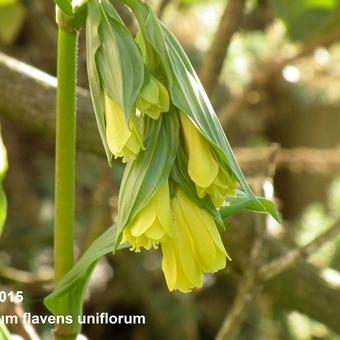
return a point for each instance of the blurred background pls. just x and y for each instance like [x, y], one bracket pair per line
[272, 70]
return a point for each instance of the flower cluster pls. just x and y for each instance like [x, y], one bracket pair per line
[187, 233]
[153, 113]
[189, 239]
[180, 178]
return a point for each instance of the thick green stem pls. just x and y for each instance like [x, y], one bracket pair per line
[65, 164]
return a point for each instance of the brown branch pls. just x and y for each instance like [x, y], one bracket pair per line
[27, 99]
[235, 317]
[314, 161]
[256, 274]
[248, 288]
[263, 75]
[26, 278]
[214, 60]
[290, 289]
[21, 328]
[162, 6]
[300, 288]
[283, 263]
[324, 40]
[304, 290]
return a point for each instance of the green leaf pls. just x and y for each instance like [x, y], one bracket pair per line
[4, 333]
[115, 65]
[77, 4]
[119, 61]
[242, 201]
[144, 176]
[189, 96]
[67, 298]
[306, 18]
[187, 92]
[65, 6]
[93, 43]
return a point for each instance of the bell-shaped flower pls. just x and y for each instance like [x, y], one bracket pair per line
[194, 248]
[122, 138]
[153, 99]
[153, 224]
[203, 167]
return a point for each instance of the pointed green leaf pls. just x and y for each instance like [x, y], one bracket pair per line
[92, 45]
[114, 63]
[65, 6]
[119, 61]
[242, 201]
[187, 92]
[4, 333]
[67, 298]
[77, 4]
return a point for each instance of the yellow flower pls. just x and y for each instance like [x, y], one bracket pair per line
[123, 141]
[194, 248]
[203, 168]
[153, 99]
[152, 224]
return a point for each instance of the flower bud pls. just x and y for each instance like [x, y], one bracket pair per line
[196, 246]
[153, 224]
[203, 167]
[123, 141]
[153, 99]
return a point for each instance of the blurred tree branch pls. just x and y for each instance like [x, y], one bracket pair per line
[213, 63]
[288, 260]
[265, 72]
[301, 288]
[26, 278]
[27, 100]
[317, 161]
[256, 274]
[248, 287]
[162, 6]
[22, 329]
[260, 17]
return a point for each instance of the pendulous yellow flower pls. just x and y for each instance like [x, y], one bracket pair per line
[153, 224]
[153, 99]
[194, 248]
[204, 169]
[123, 141]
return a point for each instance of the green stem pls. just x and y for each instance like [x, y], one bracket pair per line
[65, 164]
